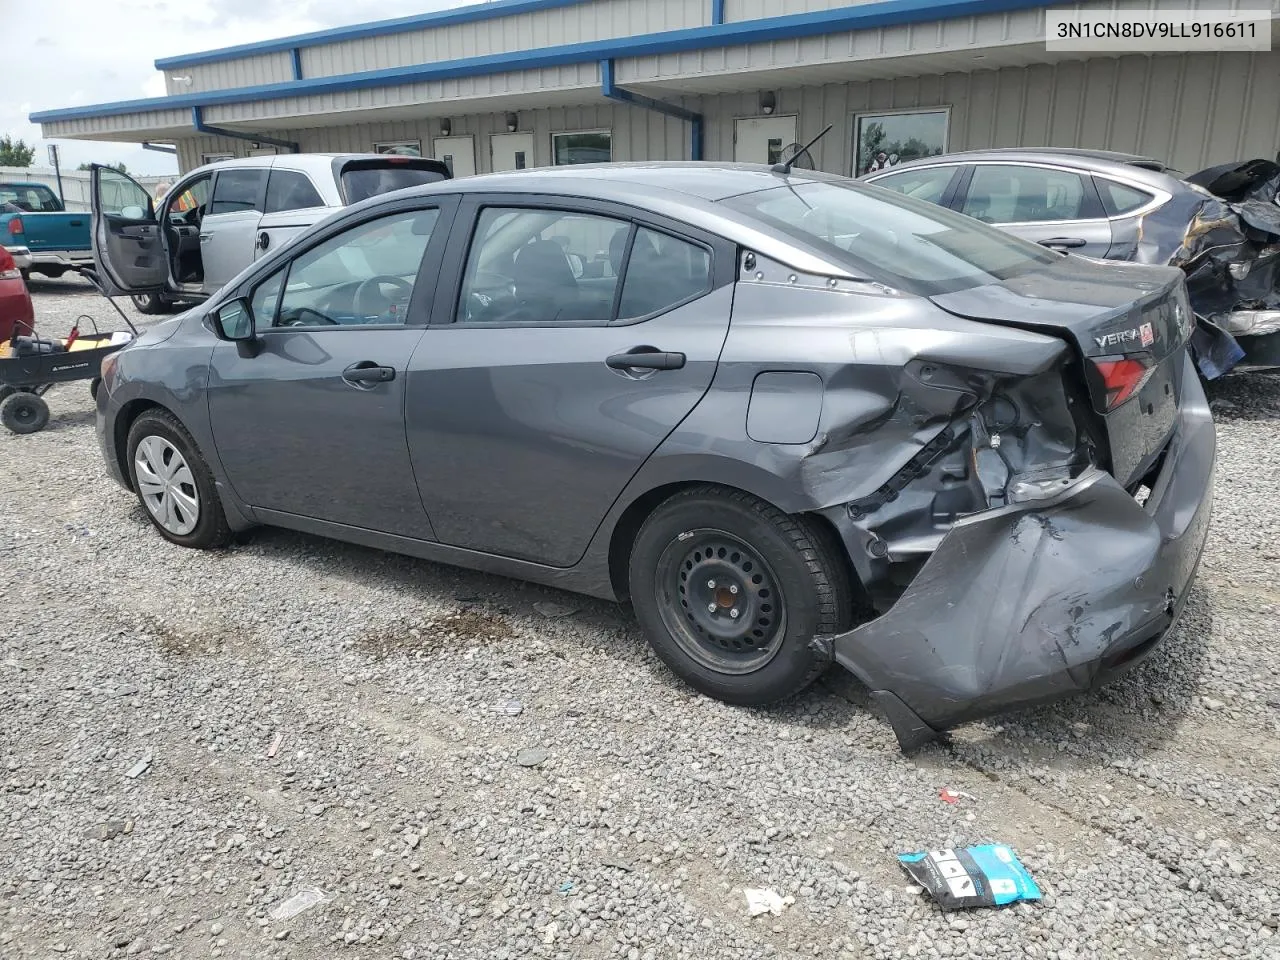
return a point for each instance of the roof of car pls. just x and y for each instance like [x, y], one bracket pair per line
[1125, 166]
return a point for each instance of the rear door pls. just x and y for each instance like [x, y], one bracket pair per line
[293, 203]
[580, 337]
[1053, 206]
[230, 227]
[125, 234]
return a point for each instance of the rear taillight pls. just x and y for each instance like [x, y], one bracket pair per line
[8, 269]
[1122, 378]
[11, 274]
[15, 227]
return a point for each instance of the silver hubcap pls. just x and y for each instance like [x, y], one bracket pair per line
[167, 487]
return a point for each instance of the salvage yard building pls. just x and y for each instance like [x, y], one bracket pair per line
[524, 83]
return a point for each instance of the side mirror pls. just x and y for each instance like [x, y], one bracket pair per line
[133, 213]
[234, 322]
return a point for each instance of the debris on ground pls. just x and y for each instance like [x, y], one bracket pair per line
[139, 768]
[275, 745]
[954, 796]
[531, 756]
[566, 888]
[616, 864]
[510, 708]
[553, 610]
[765, 901]
[304, 899]
[984, 876]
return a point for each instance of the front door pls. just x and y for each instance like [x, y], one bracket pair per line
[762, 139]
[1052, 206]
[125, 234]
[578, 343]
[511, 151]
[457, 153]
[313, 425]
[229, 229]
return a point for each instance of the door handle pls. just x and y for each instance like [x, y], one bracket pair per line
[645, 358]
[75, 223]
[206, 237]
[367, 372]
[1063, 242]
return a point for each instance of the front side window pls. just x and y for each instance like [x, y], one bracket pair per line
[237, 190]
[290, 190]
[571, 148]
[896, 240]
[929, 184]
[1018, 194]
[265, 300]
[536, 265]
[364, 275]
[119, 195]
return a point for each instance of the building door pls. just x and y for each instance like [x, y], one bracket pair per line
[458, 154]
[762, 139]
[511, 151]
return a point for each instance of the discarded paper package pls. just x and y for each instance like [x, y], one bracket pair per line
[985, 876]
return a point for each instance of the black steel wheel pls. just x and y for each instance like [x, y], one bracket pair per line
[730, 591]
[24, 412]
[151, 303]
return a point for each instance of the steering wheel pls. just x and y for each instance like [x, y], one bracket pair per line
[367, 288]
[306, 317]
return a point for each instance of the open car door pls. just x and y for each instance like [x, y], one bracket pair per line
[127, 245]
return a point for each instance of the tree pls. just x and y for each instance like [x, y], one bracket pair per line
[15, 153]
[114, 166]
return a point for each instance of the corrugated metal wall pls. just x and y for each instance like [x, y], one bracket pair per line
[247, 72]
[1192, 110]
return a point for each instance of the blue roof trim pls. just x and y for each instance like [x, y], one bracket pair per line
[886, 13]
[378, 28]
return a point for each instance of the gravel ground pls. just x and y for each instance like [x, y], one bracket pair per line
[316, 715]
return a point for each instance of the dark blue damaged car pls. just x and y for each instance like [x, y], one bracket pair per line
[794, 419]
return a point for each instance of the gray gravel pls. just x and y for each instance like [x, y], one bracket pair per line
[192, 739]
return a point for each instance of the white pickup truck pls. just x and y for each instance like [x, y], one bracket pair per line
[221, 217]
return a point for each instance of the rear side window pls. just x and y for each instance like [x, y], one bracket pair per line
[290, 190]
[366, 179]
[237, 190]
[928, 184]
[30, 198]
[1118, 199]
[662, 272]
[1021, 194]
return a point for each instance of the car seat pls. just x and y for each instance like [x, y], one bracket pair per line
[543, 280]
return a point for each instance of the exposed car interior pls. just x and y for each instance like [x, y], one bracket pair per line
[181, 225]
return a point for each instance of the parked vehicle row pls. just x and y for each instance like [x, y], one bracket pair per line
[1220, 226]
[219, 218]
[793, 418]
[39, 234]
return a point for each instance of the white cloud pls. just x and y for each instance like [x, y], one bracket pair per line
[83, 52]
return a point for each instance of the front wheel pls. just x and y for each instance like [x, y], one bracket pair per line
[174, 484]
[730, 591]
[151, 302]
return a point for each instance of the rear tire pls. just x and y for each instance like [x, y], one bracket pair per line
[94, 384]
[730, 591]
[24, 412]
[151, 303]
[174, 483]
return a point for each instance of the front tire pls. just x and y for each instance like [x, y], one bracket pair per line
[151, 303]
[24, 412]
[730, 591]
[174, 483]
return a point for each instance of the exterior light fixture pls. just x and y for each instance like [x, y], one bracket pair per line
[513, 123]
[768, 103]
[446, 128]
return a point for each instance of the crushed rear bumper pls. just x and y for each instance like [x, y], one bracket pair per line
[1031, 602]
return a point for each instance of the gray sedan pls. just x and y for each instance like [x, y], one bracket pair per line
[1120, 206]
[794, 419]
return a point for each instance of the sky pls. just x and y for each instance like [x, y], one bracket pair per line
[65, 53]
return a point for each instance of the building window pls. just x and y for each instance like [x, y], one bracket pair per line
[883, 140]
[215, 157]
[592, 147]
[400, 148]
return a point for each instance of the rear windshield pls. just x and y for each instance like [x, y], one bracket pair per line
[897, 240]
[371, 178]
[28, 197]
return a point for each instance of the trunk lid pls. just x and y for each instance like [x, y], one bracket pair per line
[1129, 325]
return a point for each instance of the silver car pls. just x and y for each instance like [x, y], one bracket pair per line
[221, 217]
[791, 417]
[1119, 206]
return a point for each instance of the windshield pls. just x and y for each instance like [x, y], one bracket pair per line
[897, 240]
[29, 197]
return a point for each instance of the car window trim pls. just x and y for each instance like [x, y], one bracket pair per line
[724, 252]
[1158, 197]
[626, 263]
[423, 300]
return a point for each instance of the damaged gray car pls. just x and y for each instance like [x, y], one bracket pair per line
[793, 418]
[1221, 227]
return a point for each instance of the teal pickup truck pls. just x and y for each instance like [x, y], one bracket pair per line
[38, 232]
